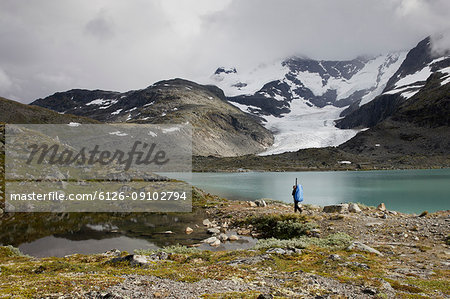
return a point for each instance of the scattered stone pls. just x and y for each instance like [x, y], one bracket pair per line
[385, 216]
[423, 214]
[393, 213]
[213, 231]
[369, 291]
[372, 224]
[244, 231]
[363, 247]
[252, 204]
[135, 260]
[215, 243]
[357, 255]
[206, 222]
[112, 253]
[276, 250]
[210, 240]
[223, 237]
[233, 238]
[139, 260]
[354, 208]
[1, 211]
[265, 296]
[341, 208]
[335, 257]
[315, 232]
[188, 230]
[261, 203]
[381, 207]
[168, 232]
[225, 225]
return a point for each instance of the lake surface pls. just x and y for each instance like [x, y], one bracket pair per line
[408, 191]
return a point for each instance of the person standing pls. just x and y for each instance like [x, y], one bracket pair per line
[297, 194]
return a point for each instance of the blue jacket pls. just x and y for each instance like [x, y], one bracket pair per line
[298, 195]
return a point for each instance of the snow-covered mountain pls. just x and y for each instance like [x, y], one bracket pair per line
[300, 99]
[410, 79]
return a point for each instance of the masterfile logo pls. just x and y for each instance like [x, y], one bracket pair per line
[98, 168]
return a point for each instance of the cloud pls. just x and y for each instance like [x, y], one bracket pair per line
[5, 81]
[100, 27]
[50, 45]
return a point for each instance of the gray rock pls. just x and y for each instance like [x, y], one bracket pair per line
[206, 222]
[233, 238]
[276, 250]
[354, 208]
[210, 240]
[133, 259]
[160, 256]
[112, 253]
[213, 231]
[341, 208]
[335, 257]
[363, 247]
[260, 203]
[215, 243]
[223, 237]
[139, 260]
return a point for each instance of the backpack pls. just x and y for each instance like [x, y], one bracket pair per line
[298, 196]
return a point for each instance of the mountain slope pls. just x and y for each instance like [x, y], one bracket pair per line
[419, 125]
[220, 129]
[409, 79]
[16, 113]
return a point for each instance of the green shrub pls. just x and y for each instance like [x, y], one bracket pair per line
[334, 241]
[176, 249]
[280, 226]
[7, 251]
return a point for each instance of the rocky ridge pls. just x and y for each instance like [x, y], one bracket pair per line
[219, 129]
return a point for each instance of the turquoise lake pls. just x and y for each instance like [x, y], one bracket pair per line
[409, 191]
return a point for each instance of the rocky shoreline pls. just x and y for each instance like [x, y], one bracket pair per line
[340, 251]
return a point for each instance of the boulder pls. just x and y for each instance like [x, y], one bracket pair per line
[213, 231]
[260, 203]
[215, 243]
[112, 253]
[210, 240]
[354, 208]
[276, 250]
[252, 204]
[139, 260]
[135, 260]
[363, 247]
[341, 208]
[233, 238]
[223, 237]
[381, 207]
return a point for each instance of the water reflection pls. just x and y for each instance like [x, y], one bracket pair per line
[56, 234]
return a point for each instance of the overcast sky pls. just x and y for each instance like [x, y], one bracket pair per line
[55, 45]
